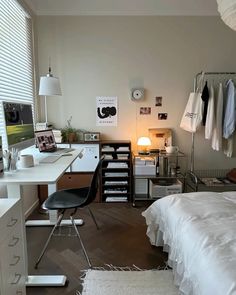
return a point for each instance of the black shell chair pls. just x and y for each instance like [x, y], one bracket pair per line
[72, 199]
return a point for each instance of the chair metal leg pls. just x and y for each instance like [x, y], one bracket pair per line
[49, 238]
[93, 217]
[81, 242]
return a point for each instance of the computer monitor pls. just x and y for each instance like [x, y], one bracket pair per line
[19, 124]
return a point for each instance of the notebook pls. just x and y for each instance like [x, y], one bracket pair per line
[46, 142]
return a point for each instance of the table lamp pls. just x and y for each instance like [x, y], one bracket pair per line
[49, 86]
[143, 143]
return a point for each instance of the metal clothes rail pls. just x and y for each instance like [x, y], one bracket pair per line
[225, 74]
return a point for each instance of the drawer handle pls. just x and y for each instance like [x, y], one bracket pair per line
[13, 242]
[19, 292]
[16, 279]
[17, 259]
[12, 222]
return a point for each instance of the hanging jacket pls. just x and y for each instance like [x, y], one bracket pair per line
[205, 98]
[217, 130]
[210, 118]
[229, 115]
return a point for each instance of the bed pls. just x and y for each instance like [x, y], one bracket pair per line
[198, 230]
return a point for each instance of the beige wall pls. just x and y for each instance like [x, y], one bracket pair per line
[96, 56]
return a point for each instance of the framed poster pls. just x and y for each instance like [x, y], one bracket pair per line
[106, 111]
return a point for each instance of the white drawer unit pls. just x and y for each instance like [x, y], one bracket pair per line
[12, 264]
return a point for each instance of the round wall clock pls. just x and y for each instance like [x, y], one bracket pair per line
[137, 93]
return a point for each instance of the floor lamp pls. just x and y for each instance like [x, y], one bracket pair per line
[49, 86]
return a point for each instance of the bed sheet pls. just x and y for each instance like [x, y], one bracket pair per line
[199, 232]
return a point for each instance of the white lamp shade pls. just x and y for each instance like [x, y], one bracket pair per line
[49, 86]
[144, 141]
[227, 10]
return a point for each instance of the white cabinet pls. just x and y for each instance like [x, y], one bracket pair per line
[12, 262]
[89, 158]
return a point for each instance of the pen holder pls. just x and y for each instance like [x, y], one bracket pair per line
[13, 164]
[10, 160]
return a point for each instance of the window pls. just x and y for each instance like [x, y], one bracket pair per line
[16, 57]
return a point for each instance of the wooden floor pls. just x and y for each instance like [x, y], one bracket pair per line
[121, 241]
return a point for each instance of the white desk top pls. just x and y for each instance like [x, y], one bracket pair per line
[6, 204]
[43, 173]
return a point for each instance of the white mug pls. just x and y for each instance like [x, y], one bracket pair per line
[172, 149]
[26, 161]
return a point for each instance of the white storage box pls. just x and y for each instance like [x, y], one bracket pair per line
[141, 186]
[144, 170]
[162, 187]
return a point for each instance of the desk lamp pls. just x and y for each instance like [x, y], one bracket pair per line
[143, 143]
[49, 86]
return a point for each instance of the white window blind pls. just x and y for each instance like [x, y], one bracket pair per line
[16, 57]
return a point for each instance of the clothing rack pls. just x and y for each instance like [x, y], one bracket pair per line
[194, 88]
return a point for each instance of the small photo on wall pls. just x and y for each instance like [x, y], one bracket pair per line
[162, 116]
[145, 111]
[158, 101]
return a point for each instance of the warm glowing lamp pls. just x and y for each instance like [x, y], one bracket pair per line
[143, 143]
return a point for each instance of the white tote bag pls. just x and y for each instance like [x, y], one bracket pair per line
[192, 116]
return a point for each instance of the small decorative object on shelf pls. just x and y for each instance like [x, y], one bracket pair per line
[116, 177]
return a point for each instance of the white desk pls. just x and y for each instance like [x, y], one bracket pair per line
[39, 174]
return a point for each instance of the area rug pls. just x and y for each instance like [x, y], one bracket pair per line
[146, 282]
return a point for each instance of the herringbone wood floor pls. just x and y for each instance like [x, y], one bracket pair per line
[121, 241]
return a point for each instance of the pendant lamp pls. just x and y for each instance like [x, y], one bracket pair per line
[227, 10]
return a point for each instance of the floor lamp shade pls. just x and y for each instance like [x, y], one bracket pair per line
[49, 86]
[227, 10]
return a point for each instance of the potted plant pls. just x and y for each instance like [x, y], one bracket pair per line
[69, 133]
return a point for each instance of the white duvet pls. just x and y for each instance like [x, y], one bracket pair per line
[199, 232]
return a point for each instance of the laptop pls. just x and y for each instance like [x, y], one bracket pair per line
[46, 143]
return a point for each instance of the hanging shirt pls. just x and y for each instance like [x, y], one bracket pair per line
[217, 130]
[229, 116]
[210, 118]
[228, 146]
[205, 98]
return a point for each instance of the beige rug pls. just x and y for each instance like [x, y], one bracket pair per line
[147, 282]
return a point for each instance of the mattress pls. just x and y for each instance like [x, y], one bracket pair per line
[199, 232]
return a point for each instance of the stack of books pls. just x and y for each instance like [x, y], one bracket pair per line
[115, 191]
[122, 156]
[108, 157]
[116, 182]
[117, 165]
[123, 149]
[58, 136]
[107, 148]
[116, 199]
[116, 174]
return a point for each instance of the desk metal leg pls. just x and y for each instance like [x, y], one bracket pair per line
[46, 281]
[48, 223]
